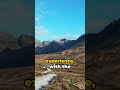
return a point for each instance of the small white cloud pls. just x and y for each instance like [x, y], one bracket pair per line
[40, 31]
[37, 18]
[66, 36]
[42, 10]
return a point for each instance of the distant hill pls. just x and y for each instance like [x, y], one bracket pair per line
[54, 46]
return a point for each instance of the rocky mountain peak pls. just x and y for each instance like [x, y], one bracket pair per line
[25, 40]
[8, 41]
[45, 43]
[63, 39]
[113, 27]
[38, 43]
[56, 46]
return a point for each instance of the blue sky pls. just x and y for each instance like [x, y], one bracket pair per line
[57, 19]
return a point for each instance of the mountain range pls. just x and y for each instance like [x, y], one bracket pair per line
[54, 46]
[7, 40]
[16, 52]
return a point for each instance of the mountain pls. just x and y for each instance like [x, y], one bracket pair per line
[16, 62]
[103, 57]
[7, 40]
[25, 40]
[54, 46]
[16, 52]
[38, 43]
[110, 34]
[46, 43]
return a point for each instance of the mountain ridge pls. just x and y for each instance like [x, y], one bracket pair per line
[57, 45]
[16, 52]
[103, 57]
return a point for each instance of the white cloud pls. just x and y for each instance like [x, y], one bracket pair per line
[42, 11]
[66, 36]
[40, 31]
[42, 8]
[37, 18]
[39, 11]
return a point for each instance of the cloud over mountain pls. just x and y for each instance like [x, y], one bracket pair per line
[40, 31]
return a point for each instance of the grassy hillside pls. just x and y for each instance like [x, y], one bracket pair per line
[103, 66]
[67, 79]
[13, 78]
